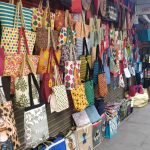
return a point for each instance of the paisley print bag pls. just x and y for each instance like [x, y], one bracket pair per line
[35, 119]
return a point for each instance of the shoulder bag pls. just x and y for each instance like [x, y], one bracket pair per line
[85, 58]
[10, 36]
[35, 119]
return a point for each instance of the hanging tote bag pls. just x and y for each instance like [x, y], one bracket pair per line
[8, 124]
[81, 118]
[45, 53]
[78, 94]
[13, 62]
[76, 6]
[92, 114]
[59, 102]
[89, 86]
[85, 58]
[22, 99]
[7, 15]
[84, 137]
[37, 16]
[102, 83]
[35, 119]
[81, 28]
[96, 67]
[10, 43]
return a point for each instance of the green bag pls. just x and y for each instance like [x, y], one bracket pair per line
[7, 14]
[85, 58]
[89, 88]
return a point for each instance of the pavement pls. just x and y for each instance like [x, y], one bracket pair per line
[133, 133]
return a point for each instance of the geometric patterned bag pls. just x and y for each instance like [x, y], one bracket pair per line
[10, 36]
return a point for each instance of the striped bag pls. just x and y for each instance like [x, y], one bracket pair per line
[7, 15]
[85, 57]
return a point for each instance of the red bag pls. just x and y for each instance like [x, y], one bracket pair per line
[2, 58]
[132, 90]
[48, 80]
[76, 6]
[97, 5]
[140, 89]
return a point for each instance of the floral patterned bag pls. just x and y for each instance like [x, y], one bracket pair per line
[35, 119]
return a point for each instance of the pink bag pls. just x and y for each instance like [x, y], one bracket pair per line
[97, 5]
[2, 58]
[76, 6]
[140, 89]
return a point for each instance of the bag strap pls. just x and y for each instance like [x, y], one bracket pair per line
[101, 66]
[40, 5]
[85, 47]
[11, 1]
[97, 52]
[88, 72]
[32, 76]
[102, 49]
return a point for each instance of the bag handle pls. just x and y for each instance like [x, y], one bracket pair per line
[97, 52]
[40, 5]
[102, 49]
[22, 34]
[11, 1]
[101, 66]
[19, 13]
[32, 76]
[85, 47]
[88, 72]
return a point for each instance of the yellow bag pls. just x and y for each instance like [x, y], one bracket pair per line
[78, 94]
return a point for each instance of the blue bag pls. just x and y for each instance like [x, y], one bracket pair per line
[92, 114]
[111, 128]
[58, 144]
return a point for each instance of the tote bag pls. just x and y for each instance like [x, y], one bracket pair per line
[60, 99]
[85, 58]
[35, 119]
[84, 137]
[10, 43]
[7, 15]
[81, 118]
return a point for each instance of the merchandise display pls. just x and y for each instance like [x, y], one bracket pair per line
[64, 61]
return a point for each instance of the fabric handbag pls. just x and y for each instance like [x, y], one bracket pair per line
[78, 94]
[89, 86]
[96, 67]
[84, 137]
[81, 118]
[2, 58]
[8, 124]
[76, 6]
[59, 102]
[8, 9]
[22, 99]
[100, 106]
[34, 118]
[12, 40]
[37, 16]
[85, 58]
[81, 28]
[45, 54]
[70, 140]
[111, 128]
[96, 134]
[48, 80]
[102, 83]
[59, 20]
[132, 90]
[92, 114]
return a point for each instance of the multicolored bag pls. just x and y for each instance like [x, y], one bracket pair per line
[37, 16]
[7, 15]
[10, 43]
[85, 58]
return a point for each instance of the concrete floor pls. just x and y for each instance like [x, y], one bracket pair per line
[133, 134]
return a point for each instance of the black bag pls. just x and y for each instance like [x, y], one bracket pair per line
[100, 106]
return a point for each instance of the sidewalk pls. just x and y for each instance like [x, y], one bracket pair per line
[133, 134]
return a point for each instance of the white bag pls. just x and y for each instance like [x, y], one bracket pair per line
[127, 73]
[81, 118]
[84, 137]
[70, 140]
[35, 119]
[132, 70]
